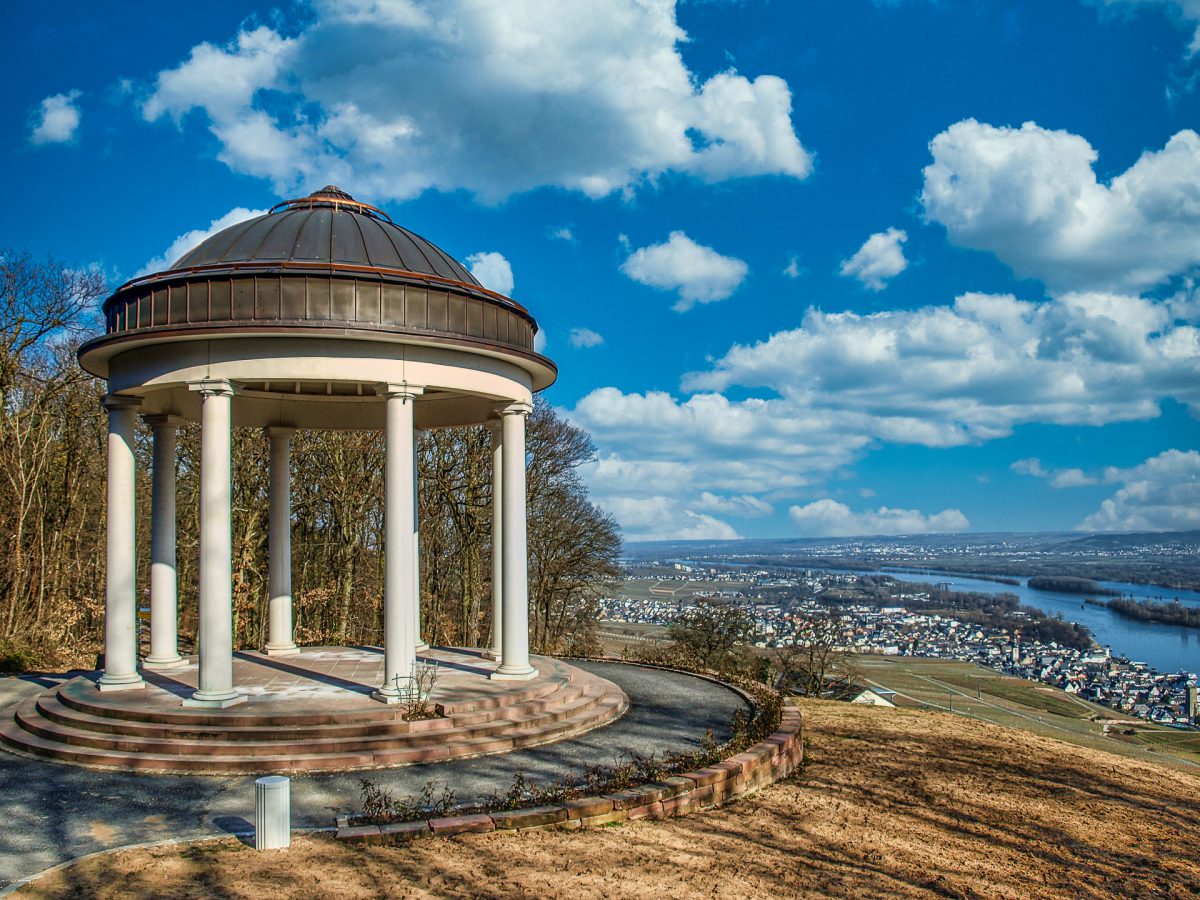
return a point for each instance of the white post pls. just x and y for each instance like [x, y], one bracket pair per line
[399, 656]
[515, 656]
[164, 588]
[272, 812]
[280, 641]
[497, 649]
[215, 636]
[418, 642]
[120, 598]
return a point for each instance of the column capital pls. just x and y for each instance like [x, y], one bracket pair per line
[399, 389]
[515, 408]
[212, 387]
[280, 431]
[114, 402]
[163, 420]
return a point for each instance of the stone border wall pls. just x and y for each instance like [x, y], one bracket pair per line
[764, 763]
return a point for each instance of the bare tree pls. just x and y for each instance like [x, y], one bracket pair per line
[814, 662]
[714, 634]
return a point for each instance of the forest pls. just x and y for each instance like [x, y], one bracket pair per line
[52, 507]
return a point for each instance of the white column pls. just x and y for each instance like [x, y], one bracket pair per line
[164, 589]
[215, 638]
[280, 641]
[496, 651]
[120, 598]
[418, 642]
[399, 656]
[515, 655]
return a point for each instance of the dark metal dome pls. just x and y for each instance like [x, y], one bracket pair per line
[328, 226]
[325, 265]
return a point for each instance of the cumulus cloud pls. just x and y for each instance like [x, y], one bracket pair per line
[747, 506]
[411, 95]
[769, 418]
[563, 233]
[879, 258]
[584, 337]
[55, 120]
[1030, 195]
[493, 271]
[1161, 494]
[793, 269]
[189, 240]
[697, 273]
[662, 518]
[1059, 478]
[828, 518]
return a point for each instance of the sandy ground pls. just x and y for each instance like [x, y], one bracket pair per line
[890, 803]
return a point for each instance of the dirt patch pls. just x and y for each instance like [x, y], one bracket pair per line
[890, 802]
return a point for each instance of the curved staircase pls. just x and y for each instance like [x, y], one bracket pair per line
[145, 731]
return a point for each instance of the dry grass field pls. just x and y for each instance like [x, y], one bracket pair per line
[890, 803]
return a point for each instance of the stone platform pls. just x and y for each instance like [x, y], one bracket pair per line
[309, 713]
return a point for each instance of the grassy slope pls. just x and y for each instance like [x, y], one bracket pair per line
[890, 802]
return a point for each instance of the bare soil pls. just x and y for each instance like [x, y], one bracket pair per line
[890, 803]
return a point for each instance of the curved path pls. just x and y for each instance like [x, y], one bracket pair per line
[54, 812]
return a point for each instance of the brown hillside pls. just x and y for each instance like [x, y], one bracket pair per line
[891, 802]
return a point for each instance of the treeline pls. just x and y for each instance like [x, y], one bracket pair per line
[1067, 584]
[1173, 613]
[52, 508]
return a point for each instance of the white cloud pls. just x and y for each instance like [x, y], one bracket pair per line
[56, 119]
[663, 518]
[540, 340]
[697, 273]
[189, 240]
[793, 269]
[584, 337]
[400, 96]
[1030, 196]
[493, 271]
[879, 258]
[1059, 478]
[1161, 494]
[943, 376]
[563, 233]
[828, 518]
[812, 400]
[747, 506]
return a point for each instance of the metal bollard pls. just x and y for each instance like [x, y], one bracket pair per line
[272, 812]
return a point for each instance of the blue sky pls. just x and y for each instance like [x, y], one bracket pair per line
[812, 268]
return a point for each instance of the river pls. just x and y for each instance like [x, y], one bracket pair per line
[1168, 648]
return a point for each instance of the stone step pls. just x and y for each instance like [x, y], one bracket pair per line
[53, 707]
[81, 695]
[32, 716]
[609, 707]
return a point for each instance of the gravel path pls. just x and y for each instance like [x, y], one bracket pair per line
[54, 812]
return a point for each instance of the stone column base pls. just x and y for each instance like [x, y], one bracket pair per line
[167, 663]
[120, 683]
[283, 650]
[217, 702]
[500, 675]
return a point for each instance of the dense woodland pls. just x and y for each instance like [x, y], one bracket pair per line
[52, 457]
[1173, 613]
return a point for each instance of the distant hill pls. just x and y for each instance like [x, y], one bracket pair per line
[1007, 542]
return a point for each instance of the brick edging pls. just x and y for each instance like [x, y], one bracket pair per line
[771, 759]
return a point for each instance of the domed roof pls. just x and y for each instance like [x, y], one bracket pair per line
[326, 227]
